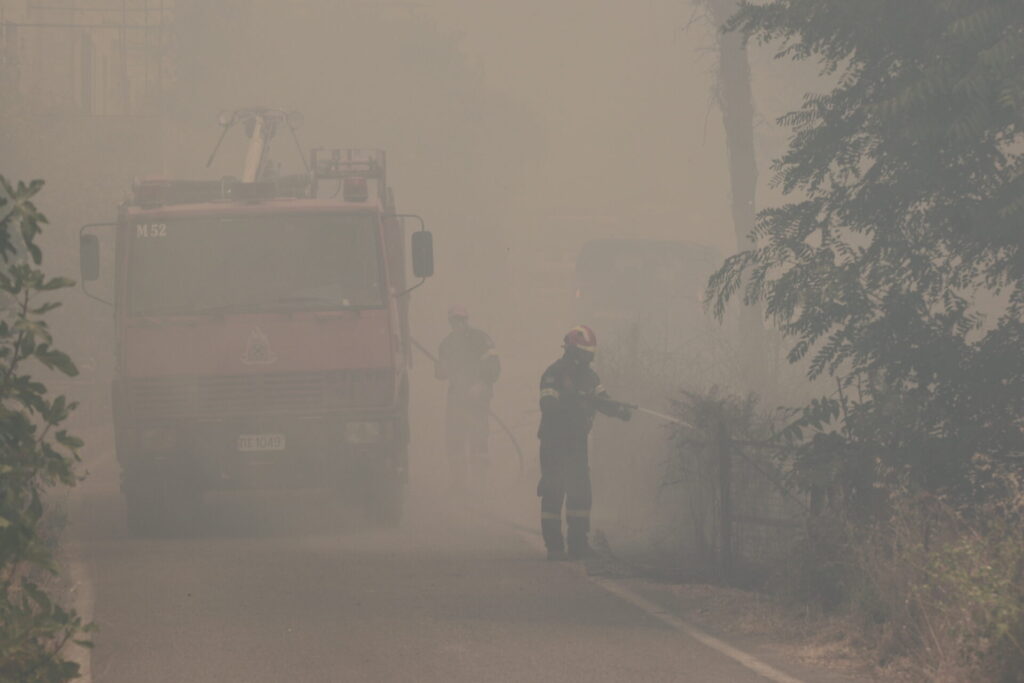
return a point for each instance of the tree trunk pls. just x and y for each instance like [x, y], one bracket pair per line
[736, 102]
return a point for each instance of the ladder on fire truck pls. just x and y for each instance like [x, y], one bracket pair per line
[261, 125]
[352, 168]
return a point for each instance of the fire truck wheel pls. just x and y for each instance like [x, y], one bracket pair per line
[160, 503]
[143, 515]
[385, 501]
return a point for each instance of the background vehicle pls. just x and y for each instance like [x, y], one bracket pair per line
[262, 332]
[645, 297]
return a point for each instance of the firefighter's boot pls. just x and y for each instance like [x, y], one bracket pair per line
[579, 550]
[551, 529]
[579, 528]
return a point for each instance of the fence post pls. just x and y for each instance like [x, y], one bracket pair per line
[723, 453]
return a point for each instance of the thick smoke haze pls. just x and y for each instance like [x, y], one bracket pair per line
[712, 330]
[519, 131]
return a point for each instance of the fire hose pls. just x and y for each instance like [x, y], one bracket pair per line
[632, 407]
[508, 432]
[663, 416]
[497, 420]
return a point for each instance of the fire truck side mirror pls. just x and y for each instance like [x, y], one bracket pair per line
[422, 254]
[89, 255]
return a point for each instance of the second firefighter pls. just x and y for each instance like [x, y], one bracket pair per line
[468, 361]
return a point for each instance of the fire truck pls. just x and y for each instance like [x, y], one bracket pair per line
[262, 332]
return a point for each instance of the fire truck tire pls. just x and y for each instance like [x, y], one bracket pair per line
[160, 503]
[385, 501]
[142, 515]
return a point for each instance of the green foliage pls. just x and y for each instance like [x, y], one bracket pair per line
[35, 452]
[897, 267]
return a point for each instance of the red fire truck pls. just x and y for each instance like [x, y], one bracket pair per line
[262, 334]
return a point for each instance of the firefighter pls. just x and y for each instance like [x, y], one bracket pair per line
[570, 394]
[469, 362]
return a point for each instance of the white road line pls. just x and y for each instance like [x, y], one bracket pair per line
[661, 614]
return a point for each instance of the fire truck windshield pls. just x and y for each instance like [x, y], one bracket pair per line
[253, 263]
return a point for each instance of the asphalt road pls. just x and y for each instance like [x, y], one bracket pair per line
[286, 587]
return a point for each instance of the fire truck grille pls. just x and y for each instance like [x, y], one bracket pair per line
[293, 393]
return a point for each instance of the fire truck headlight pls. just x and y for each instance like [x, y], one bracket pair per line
[363, 432]
[157, 439]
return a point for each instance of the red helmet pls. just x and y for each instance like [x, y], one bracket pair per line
[458, 311]
[583, 338]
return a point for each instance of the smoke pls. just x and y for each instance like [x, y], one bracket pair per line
[519, 131]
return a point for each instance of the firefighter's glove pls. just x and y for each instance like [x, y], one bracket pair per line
[625, 412]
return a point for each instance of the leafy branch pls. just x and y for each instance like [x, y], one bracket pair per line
[36, 454]
[897, 266]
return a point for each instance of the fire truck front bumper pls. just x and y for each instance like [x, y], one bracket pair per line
[271, 451]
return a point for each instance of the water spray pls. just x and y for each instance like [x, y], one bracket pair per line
[663, 416]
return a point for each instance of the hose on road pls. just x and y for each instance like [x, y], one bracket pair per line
[497, 420]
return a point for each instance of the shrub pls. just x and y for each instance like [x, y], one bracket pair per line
[943, 580]
[35, 453]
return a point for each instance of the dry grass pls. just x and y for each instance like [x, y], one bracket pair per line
[943, 584]
[797, 632]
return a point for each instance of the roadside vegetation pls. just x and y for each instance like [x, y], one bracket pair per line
[895, 271]
[37, 455]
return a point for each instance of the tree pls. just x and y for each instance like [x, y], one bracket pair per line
[736, 102]
[897, 267]
[35, 453]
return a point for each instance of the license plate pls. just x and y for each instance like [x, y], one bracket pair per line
[248, 443]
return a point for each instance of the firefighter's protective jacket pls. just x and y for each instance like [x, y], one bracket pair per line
[570, 395]
[467, 358]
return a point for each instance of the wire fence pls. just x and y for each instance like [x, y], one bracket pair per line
[746, 514]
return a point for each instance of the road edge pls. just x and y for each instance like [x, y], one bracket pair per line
[658, 612]
[83, 599]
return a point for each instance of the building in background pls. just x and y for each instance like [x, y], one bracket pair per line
[84, 57]
[83, 84]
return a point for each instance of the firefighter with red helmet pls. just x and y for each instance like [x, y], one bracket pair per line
[469, 362]
[570, 395]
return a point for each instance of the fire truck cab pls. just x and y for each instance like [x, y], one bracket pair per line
[262, 336]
